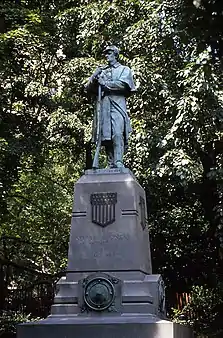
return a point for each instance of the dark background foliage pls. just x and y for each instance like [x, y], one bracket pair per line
[47, 51]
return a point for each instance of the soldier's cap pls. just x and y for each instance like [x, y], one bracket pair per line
[111, 48]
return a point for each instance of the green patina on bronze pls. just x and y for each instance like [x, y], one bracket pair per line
[111, 85]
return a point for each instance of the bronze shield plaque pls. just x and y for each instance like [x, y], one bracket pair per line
[103, 208]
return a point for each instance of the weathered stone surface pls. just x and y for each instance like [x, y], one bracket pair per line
[109, 239]
[110, 327]
[122, 245]
[140, 295]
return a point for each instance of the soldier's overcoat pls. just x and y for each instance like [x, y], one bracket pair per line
[119, 84]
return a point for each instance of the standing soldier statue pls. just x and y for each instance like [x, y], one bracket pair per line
[111, 84]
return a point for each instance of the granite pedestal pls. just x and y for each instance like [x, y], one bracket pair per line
[109, 289]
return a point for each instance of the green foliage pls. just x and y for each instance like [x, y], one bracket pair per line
[202, 312]
[47, 51]
[10, 320]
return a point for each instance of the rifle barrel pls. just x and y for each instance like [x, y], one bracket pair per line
[98, 133]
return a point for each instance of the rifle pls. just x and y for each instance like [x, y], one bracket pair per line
[98, 133]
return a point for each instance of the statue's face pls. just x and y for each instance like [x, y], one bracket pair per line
[110, 56]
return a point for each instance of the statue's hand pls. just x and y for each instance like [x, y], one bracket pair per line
[101, 81]
[97, 72]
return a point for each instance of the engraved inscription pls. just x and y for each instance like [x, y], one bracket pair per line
[104, 247]
[103, 208]
[95, 240]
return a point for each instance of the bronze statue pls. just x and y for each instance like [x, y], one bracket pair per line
[111, 84]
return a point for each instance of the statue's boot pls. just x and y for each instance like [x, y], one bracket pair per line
[118, 144]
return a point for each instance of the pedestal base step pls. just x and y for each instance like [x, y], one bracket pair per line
[103, 327]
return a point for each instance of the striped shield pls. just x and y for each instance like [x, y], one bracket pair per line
[103, 208]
